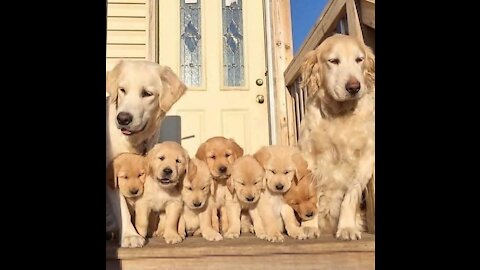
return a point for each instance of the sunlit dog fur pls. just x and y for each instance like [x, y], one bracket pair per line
[140, 95]
[220, 153]
[337, 134]
[302, 197]
[199, 204]
[283, 166]
[167, 167]
[246, 185]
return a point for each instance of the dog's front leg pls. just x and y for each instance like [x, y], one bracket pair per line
[142, 213]
[208, 232]
[311, 228]
[291, 225]
[128, 235]
[172, 211]
[273, 233]
[233, 210]
[258, 227]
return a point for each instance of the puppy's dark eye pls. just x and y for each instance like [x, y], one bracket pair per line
[205, 187]
[272, 171]
[178, 160]
[189, 188]
[141, 174]
[146, 93]
[121, 89]
[212, 157]
[359, 59]
[335, 61]
[161, 158]
[286, 172]
[126, 177]
[227, 155]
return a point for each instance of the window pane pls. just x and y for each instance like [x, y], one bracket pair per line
[190, 47]
[233, 62]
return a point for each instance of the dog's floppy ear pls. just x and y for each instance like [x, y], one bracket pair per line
[311, 71]
[262, 155]
[201, 152]
[212, 186]
[192, 170]
[301, 166]
[369, 72]
[112, 81]
[149, 157]
[112, 179]
[236, 148]
[173, 88]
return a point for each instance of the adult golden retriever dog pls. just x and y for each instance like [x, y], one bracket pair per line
[337, 135]
[141, 93]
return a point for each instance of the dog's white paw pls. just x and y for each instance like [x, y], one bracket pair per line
[158, 233]
[297, 234]
[275, 237]
[132, 241]
[348, 233]
[231, 235]
[311, 232]
[212, 236]
[172, 237]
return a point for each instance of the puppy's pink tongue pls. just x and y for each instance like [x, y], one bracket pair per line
[126, 132]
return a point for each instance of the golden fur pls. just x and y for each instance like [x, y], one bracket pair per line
[337, 134]
[140, 93]
[198, 202]
[283, 166]
[247, 186]
[167, 167]
[220, 153]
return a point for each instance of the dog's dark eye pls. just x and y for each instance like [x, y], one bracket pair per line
[335, 61]
[161, 158]
[121, 89]
[126, 177]
[359, 59]
[177, 160]
[146, 93]
[243, 184]
[141, 174]
[227, 155]
[204, 187]
[189, 188]
[286, 172]
[212, 157]
[272, 171]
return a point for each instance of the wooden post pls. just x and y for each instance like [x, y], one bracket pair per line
[354, 28]
[152, 31]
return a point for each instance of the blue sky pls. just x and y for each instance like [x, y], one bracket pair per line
[304, 15]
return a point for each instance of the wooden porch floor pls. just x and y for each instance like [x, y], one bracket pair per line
[247, 252]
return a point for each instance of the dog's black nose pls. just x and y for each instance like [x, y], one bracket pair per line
[222, 169]
[352, 86]
[167, 171]
[309, 214]
[279, 186]
[197, 204]
[124, 118]
[250, 198]
[134, 191]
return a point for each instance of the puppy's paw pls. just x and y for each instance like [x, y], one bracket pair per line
[275, 237]
[311, 232]
[297, 234]
[212, 236]
[172, 237]
[231, 235]
[248, 229]
[132, 241]
[348, 233]
[158, 233]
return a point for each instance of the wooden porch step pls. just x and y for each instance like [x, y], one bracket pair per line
[247, 252]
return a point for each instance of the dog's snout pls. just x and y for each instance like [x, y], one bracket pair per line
[250, 198]
[134, 191]
[279, 186]
[352, 86]
[124, 118]
[222, 169]
[197, 203]
[309, 214]
[167, 171]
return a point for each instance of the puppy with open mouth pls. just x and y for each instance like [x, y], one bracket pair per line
[198, 201]
[167, 167]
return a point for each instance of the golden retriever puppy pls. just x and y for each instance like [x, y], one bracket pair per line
[283, 165]
[140, 95]
[246, 184]
[337, 134]
[302, 197]
[220, 153]
[167, 167]
[198, 202]
[127, 172]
